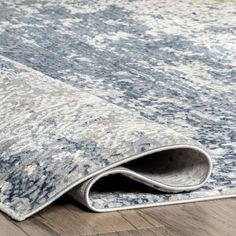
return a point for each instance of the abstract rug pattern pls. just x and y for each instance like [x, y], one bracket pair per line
[87, 86]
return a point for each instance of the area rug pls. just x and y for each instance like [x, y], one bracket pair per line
[120, 104]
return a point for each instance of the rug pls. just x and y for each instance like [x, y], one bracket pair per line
[120, 104]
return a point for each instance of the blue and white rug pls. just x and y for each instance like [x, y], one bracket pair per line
[121, 104]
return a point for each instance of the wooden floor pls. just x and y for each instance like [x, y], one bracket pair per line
[66, 217]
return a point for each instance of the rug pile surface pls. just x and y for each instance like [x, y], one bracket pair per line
[120, 104]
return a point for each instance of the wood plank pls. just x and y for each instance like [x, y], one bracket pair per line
[36, 227]
[8, 228]
[154, 231]
[71, 219]
[212, 218]
[139, 220]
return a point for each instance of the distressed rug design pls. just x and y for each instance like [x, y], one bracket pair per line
[120, 104]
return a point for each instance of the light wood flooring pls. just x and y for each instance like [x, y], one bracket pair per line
[66, 217]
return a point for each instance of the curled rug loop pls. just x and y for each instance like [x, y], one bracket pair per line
[170, 169]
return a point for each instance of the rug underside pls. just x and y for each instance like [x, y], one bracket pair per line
[120, 104]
